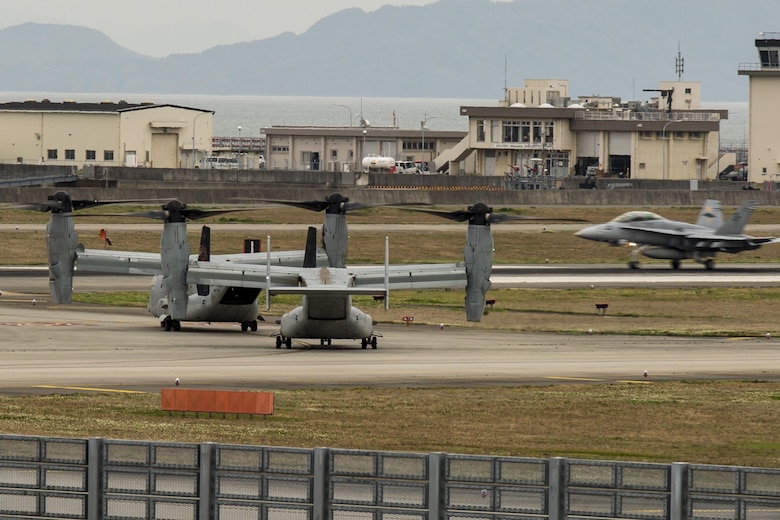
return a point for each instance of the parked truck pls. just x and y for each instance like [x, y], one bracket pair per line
[378, 164]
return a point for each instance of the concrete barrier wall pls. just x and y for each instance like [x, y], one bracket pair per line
[19, 171]
[247, 193]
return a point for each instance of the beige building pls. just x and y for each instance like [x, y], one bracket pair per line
[105, 133]
[343, 148]
[764, 110]
[539, 130]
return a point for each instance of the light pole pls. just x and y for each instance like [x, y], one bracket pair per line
[426, 118]
[193, 135]
[663, 150]
[350, 113]
[239, 146]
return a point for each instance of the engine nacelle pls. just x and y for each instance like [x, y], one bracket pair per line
[61, 245]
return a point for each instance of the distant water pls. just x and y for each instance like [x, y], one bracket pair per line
[254, 113]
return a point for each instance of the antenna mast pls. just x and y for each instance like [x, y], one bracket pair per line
[679, 64]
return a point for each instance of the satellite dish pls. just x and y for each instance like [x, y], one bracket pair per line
[546, 105]
[518, 105]
[575, 105]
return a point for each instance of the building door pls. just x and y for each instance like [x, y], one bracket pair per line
[131, 158]
[490, 162]
[165, 150]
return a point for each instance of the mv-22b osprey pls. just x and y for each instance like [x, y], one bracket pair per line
[326, 312]
[176, 295]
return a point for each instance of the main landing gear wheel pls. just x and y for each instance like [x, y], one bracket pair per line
[364, 343]
[675, 264]
[278, 342]
[288, 342]
[373, 342]
[325, 341]
[168, 324]
[249, 325]
[633, 264]
[709, 264]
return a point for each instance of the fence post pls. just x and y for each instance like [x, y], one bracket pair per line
[556, 493]
[207, 481]
[678, 502]
[437, 506]
[320, 500]
[94, 478]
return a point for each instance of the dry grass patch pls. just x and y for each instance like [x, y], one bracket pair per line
[710, 422]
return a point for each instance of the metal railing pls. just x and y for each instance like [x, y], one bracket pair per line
[42, 477]
[630, 115]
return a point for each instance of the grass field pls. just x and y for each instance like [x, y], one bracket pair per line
[733, 422]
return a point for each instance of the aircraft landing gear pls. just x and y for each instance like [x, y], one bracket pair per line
[325, 341]
[249, 325]
[365, 342]
[168, 324]
[675, 264]
[709, 264]
[281, 340]
[633, 264]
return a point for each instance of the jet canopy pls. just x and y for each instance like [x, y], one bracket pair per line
[637, 216]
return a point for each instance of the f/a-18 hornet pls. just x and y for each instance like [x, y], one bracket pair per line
[654, 236]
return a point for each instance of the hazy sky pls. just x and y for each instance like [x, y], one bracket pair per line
[162, 27]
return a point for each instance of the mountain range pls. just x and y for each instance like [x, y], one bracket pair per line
[448, 49]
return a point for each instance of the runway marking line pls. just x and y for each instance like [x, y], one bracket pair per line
[562, 378]
[88, 389]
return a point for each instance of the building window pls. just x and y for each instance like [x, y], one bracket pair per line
[537, 131]
[688, 90]
[334, 154]
[526, 131]
[90, 155]
[645, 134]
[641, 166]
[351, 154]
[769, 58]
[511, 131]
[549, 132]
[679, 135]
[280, 148]
[694, 135]
[70, 155]
[51, 154]
[480, 130]
[108, 155]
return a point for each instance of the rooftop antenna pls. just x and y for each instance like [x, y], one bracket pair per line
[679, 64]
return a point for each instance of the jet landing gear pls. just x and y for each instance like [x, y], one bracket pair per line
[169, 324]
[324, 341]
[249, 325]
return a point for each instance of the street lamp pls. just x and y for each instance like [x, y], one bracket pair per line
[426, 118]
[663, 149]
[193, 135]
[239, 146]
[350, 113]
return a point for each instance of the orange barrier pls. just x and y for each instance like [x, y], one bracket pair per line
[217, 401]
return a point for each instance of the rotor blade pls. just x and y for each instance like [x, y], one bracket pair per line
[458, 215]
[504, 217]
[311, 205]
[84, 204]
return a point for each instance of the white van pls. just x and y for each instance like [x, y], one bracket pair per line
[221, 163]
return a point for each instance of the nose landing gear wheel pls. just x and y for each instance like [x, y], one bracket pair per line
[278, 342]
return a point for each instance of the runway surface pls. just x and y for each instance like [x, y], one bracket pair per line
[78, 347]
[82, 348]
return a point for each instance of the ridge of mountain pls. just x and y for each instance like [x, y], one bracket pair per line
[447, 49]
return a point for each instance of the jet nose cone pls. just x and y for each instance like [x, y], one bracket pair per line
[588, 233]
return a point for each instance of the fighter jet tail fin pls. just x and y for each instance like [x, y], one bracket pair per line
[711, 215]
[736, 224]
